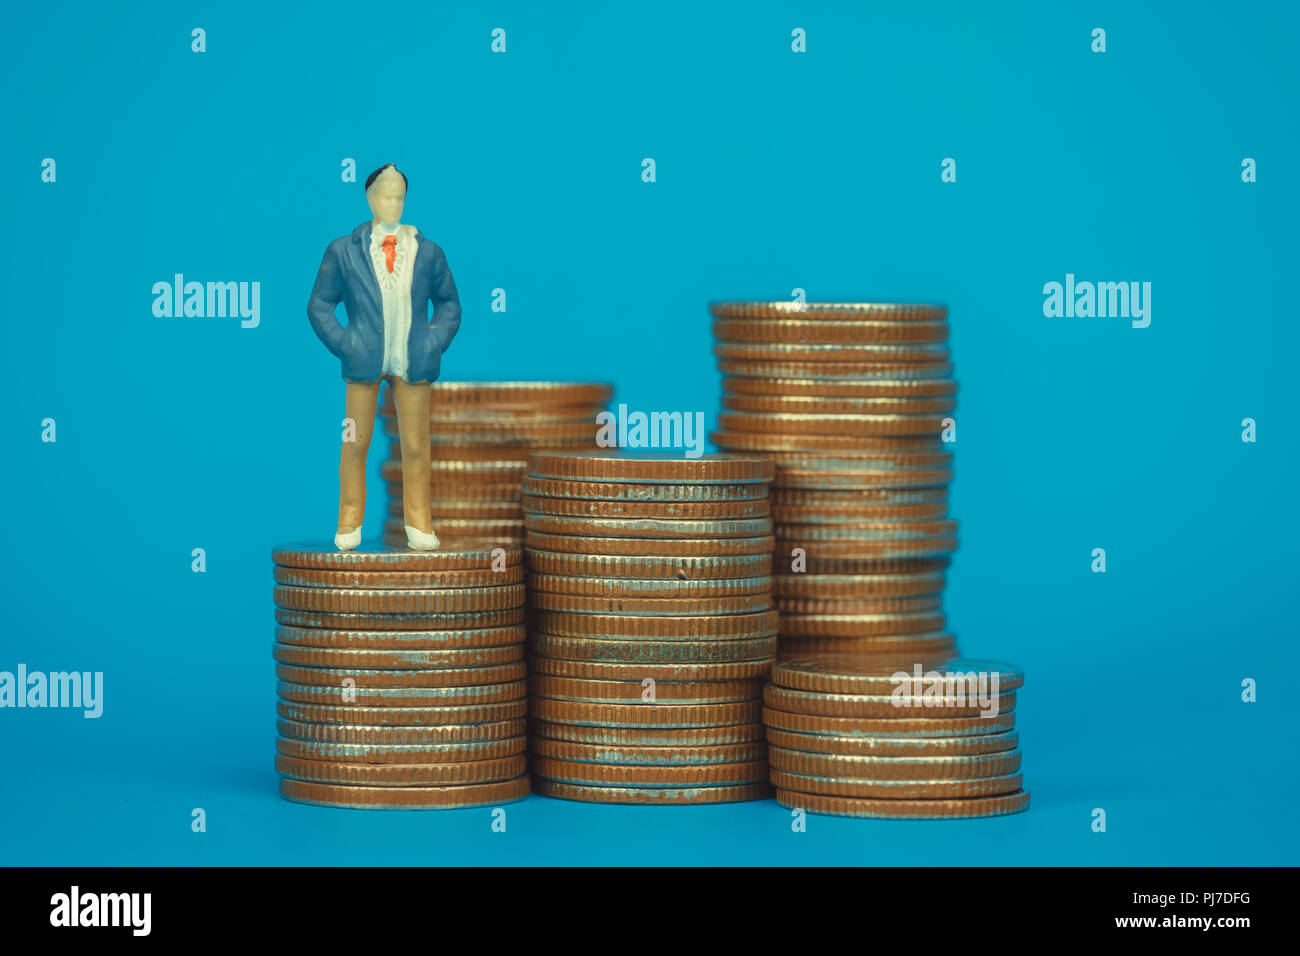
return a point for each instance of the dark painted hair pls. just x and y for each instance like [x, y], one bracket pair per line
[375, 175]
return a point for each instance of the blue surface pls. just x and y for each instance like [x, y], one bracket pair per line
[775, 171]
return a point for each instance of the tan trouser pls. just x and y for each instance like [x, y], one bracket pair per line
[412, 402]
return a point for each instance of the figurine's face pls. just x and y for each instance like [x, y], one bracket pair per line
[386, 196]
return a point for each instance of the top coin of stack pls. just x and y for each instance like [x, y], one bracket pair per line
[850, 400]
[480, 435]
[401, 676]
[651, 626]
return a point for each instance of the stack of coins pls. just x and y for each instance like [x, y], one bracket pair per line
[651, 626]
[932, 739]
[850, 399]
[401, 676]
[480, 435]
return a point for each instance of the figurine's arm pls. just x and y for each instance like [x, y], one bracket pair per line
[446, 303]
[325, 295]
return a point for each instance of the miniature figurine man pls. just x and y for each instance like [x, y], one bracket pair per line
[386, 274]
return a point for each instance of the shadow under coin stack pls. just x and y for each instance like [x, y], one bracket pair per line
[401, 676]
[895, 741]
[480, 435]
[651, 626]
[849, 399]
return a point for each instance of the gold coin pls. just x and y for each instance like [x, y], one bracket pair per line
[399, 774]
[643, 715]
[401, 716]
[400, 601]
[853, 674]
[650, 492]
[418, 659]
[883, 705]
[445, 393]
[648, 566]
[648, 588]
[842, 424]
[388, 696]
[745, 508]
[440, 735]
[660, 547]
[829, 744]
[673, 738]
[647, 527]
[886, 645]
[907, 726]
[455, 752]
[835, 352]
[450, 677]
[624, 604]
[432, 621]
[860, 625]
[840, 586]
[845, 372]
[817, 387]
[639, 671]
[634, 775]
[826, 405]
[646, 627]
[799, 329]
[876, 767]
[311, 577]
[651, 756]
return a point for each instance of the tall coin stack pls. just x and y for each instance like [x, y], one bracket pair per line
[930, 740]
[651, 626]
[480, 437]
[850, 400]
[401, 676]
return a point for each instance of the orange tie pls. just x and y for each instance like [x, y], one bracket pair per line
[389, 245]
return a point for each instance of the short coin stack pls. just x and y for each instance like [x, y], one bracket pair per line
[401, 676]
[480, 436]
[926, 740]
[651, 626]
[850, 399]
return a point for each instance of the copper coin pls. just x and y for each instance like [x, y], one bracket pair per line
[537, 433]
[840, 586]
[431, 621]
[400, 601]
[882, 705]
[671, 547]
[405, 641]
[650, 606]
[708, 511]
[638, 672]
[636, 691]
[843, 480]
[645, 627]
[646, 566]
[669, 737]
[653, 795]
[830, 405]
[826, 499]
[456, 752]
[661, 756]
[857, 353]
[404, 798]
[652, 652]
[643, 715]
[892, 746]
[821, 388]
[798, 329]
[821, 515]
[817, 564]
[401, 716]
[875, 767]
[311, 577]
[843, 423]
[649, 492]
[400, 660]
[886, 450]
[851, 674]
[330, 677]
[647, 527]
[860, 625]
[648, 587]
[906, 809]
[891, 604]
[369, 557]
[828, 311]
[633, 775]
[853, 372]
[713, 468]
[363, 696]
[387, 735]
[907, 726]
[899, 789]
[399, 774]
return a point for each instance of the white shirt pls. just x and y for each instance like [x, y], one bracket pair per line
[395, 290]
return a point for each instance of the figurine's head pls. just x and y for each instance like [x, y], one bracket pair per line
[386, 193]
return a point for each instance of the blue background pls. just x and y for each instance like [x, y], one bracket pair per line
[775, 171]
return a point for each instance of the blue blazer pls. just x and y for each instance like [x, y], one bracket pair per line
[347, 275]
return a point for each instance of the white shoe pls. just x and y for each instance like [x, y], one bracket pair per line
[346, 542]
[418, 540]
